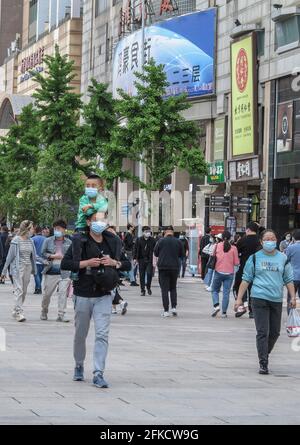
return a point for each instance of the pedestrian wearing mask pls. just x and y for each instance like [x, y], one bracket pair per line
[21, 259]
[226, 261]
[209, 249]
[293, 255]
[129, 241]
[185, 250]
[169, 250]
[269, 271]
[287, 240]
[143, 255]
[55, 280]
[97, 277]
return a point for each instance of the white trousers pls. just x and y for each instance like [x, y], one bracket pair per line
[55, 284]
[20, 285]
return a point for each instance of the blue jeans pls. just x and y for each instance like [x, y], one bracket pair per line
[38, 277]
[209, 277]
[227, 281]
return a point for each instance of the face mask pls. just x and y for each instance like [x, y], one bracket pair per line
[147, 234]
[58, 234]
[98, 227]
[269, 246]
[211, 240]
[181, 237]
[91, 192]
[288, 237]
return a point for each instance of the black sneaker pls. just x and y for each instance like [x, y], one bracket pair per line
[143, 293]
[149, 291]
[133, 283]
[263, 369]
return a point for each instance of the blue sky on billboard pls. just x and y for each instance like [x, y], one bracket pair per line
[185, 45]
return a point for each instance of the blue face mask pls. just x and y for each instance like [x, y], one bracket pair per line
[58, 234]
[91, 192]
[98, 227]
[269, 246]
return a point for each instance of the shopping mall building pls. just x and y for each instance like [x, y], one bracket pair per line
[236, 60]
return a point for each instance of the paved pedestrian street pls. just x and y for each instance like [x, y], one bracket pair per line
[192, 369]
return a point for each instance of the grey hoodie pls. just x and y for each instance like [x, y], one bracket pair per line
[13, 258]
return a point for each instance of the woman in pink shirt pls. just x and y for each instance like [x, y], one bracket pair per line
[227, 259]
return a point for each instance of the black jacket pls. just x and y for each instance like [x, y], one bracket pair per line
[204, 241]
[143, 249]
[85, 286]
[129, 242]
[169, 250]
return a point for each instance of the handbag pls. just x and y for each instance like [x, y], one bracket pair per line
[211, 264]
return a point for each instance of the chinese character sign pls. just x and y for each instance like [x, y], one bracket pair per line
[243, 101]
[184, 45]
[216, 173]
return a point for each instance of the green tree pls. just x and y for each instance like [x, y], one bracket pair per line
[99, 121]
[20, 151]
[57, 180]
[154, 132]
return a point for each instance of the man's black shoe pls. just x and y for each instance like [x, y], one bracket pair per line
[263, 369]
[133, 283]
[149, 291]
[143, 293]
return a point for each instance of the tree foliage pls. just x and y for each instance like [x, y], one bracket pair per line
[154, 132]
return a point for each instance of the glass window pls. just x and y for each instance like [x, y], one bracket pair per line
[101, 5]
[32, 20]
[287, 31]
[261, 43]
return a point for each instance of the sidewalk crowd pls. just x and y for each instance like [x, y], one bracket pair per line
[93, 262]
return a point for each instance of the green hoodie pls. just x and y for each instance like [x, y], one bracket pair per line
[100, 205]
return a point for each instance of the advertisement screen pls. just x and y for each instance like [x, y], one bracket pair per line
[184, 45]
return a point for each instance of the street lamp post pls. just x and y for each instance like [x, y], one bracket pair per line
[141, 167]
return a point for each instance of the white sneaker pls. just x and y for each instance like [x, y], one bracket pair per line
[209, 289]
[20, 317]
[14, 314]
[174, 312]
[165, 314]
[114, 311]
[215, 311]
[123, 307]
[224, 316]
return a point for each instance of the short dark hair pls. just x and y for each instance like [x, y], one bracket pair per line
[169, 228]
[253, 226]
[60, 223]
[38, 229]
[208, 230]
[262, 234]
[94, 176]
[129, 226]
[145, 228]
[296, 235]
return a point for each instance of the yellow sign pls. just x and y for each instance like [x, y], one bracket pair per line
[243, 103]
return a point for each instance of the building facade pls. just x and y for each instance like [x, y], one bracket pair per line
[62, 26]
